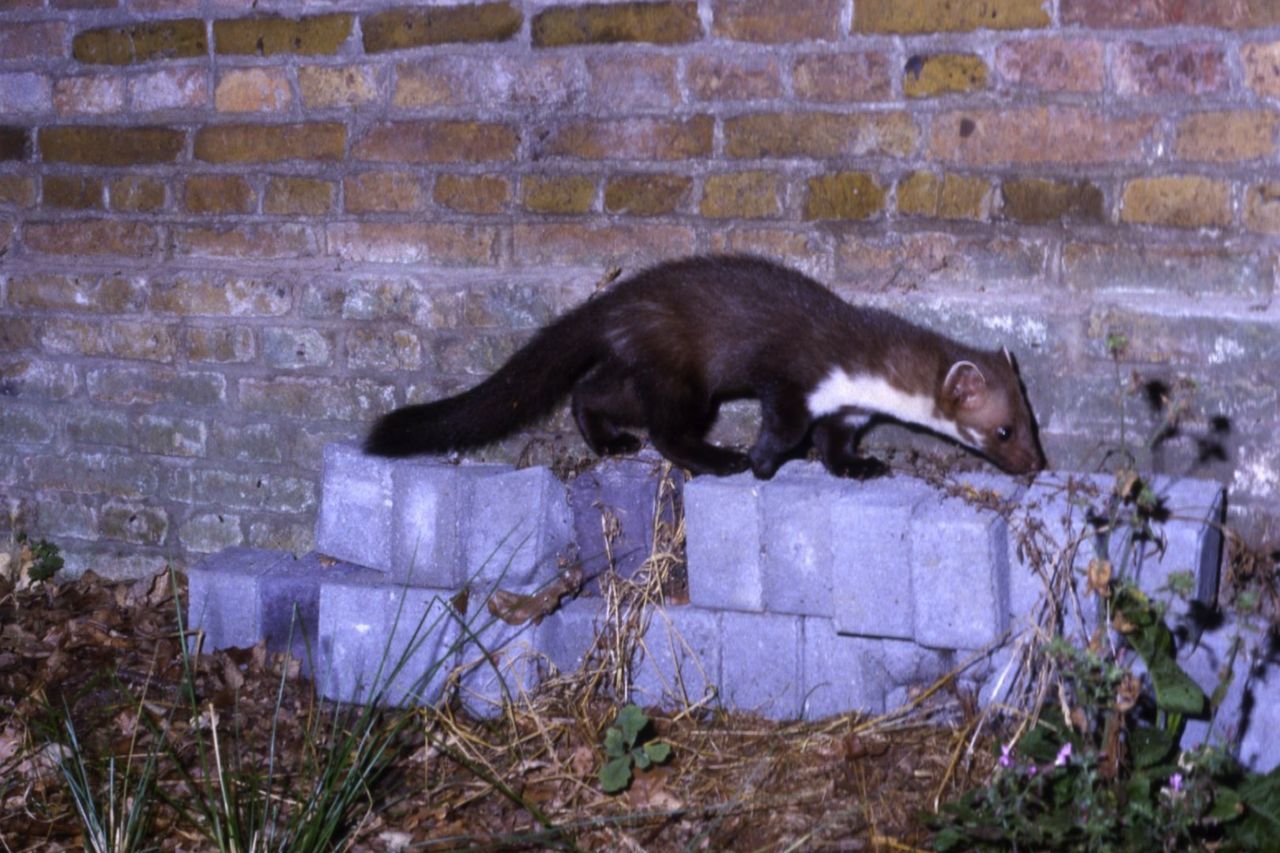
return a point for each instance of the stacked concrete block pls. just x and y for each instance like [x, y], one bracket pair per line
[355, 519]
[224, 597]
[680, 657]
[516, 524]
[615, 504]
[840, 673]
[722, 540]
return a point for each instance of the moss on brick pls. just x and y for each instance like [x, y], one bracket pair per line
[558, 193]
[111, 146]
[270, 143]
[472, 193]
[218, 194]
[610, 23]
[407, 27]
[741, 195]
[946, 197]
[304, 196]
[266, 36]
[178, 39]
[1037, 201]
[844, 195]
[73, 192]
[646, 195]
[933, 16]
[943, 74]
[1179, 201]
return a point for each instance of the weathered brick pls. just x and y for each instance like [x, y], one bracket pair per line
[1151, 267]
[67, 515]
[169, 89]
[931, 16]
[38, 378]
[642, 82]
[317, 34]
[111, 146]
[299, 196]
[219, 296]
[1226, 136]
[407, 27]
[149, 385]
[542, 243]
[558, 193]
[1039, 201]
[132, 194]
[218, 194]
[246, 90]
[270, 143]
[733, 78]
[323, 398]
[1262, 208]
[282, 534]
[73, 192]
[118, 339]
[93, 237]
[142, 42]
[947, 197]
[1026, 135]
[610, 23]
[89, 473]
[375, 348]
[221, 345]
[844, 195]
[777, 21]
[943, 74]
[820, 135]
[1182, 69]
[17, 190]
[472, 193]
[25, 92]
[37, 40]
[438, 142]
[290, 348]
[741, 195]
[414, 242]
[369, 192]
[18, 333]
[255, 442]
[210, 532]
[15, 143]
[631, 139]
[1180, 201]
[1262, 68]
[1052, 65]
[802, 248]
[52, 292]
[842, 77]
[546, 82]
[265, 240]
[88, 95]
[646, 195]
[168, 436]
[135, 523]
[22, 424]
[96, 426]
[324, 87]
[1251, 14]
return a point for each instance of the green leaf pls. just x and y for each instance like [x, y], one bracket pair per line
[632, 721]
[1148, 747]
[615, 774]
[1227, 805]
[641, 758]
[614, 744]
[1176, 693]
[658, 751]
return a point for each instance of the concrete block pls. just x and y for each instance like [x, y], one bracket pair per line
[1188, 541]
[722, 542]
[354, 522]
[291, 583]
[840, 672]
[871, 557]
[1259, 746]
[567, 635]
[959, 575]
[394, 644]
[620, 496]
[515, 526]
[497, 661]
[679, 663]
[761, 664]
[1224, 650]
[224, 596]
[795, 542]
[431, 500]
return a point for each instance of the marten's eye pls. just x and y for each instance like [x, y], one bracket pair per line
[1004, 433]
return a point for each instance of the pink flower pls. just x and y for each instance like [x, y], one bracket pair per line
[1006, 757]
[1175, 782]
[1063, 755]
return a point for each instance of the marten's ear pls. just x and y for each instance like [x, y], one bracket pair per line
[965, 385]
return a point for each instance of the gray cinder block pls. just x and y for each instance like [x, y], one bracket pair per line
[761, 664]
[620, 496]
[680, 657]
[354, 523]
[566, 636]
[797, 531]
[432, 502]
[840, 672]
[722, 542]
[497, 661]
[224, 596]
[516, 525]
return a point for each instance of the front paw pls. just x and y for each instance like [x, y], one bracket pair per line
[623, 444]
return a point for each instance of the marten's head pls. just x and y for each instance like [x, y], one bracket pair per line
[986, 401]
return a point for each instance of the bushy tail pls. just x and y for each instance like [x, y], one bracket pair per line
[524, 388]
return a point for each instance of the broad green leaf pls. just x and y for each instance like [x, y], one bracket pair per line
[1148, 747]
[658, 751]
[641, 758]
[614, 745]
[632, 721]
[1176, 693]
[615, 774]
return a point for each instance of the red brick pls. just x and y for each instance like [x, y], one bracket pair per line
[133, 194]
[646, 195]
[733, 78]
[1262, 68]
[17, 190]
[610, 23]
[93, 237]
[1183, 69]
[545, 82]
[842, 77]
[1180, 201]
[73, 192]
[642, 82]
[299, 196]
[1245, 14]
[630, 139]
[821, 135]
[415, 242]
[777, 21]
[370, 192]
[803, 249]
[741, 195]
[40, 40]
[438, 142]
[1052, 135]
[88, 95]
[266, 241]
[908, 17]
[324, 86]
[218, 194]
[244, 90]
[79, 294]
[270, 35]
[1052, 65]
[597, 245]
[111, 146]
[473, 193]
[1226, 136]
[1262, 208]
[169, 89]
[270, 143]
[406, 27]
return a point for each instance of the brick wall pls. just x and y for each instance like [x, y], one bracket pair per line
[228, 240]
